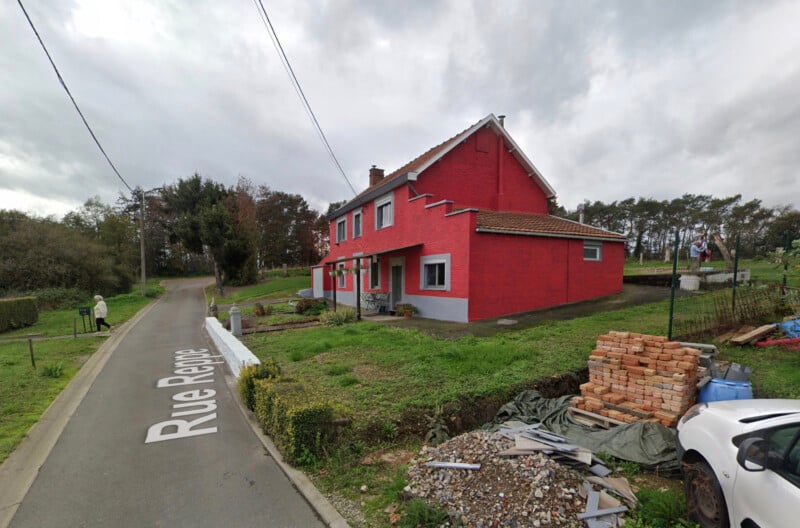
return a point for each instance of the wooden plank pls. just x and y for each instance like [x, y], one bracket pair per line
[599, 417]
[755, 335]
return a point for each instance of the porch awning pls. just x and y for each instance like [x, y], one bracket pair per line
[373, 254]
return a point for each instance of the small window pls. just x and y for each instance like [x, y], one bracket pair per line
[384, 212]
[357, 223]
[434, 275]
[435, 272]
[592, 251]
[374, 274]
[342, 275]
[341, 230]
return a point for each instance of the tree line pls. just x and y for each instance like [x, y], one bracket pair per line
[199, 226]
[193, 226]
[650, 224]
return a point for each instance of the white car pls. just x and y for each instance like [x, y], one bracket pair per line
[741, 463]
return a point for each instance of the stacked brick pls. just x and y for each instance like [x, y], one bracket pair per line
[636, 377]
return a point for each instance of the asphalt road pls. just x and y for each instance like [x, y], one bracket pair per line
[204, 468]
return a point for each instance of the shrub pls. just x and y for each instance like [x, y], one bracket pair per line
[339, 317]
[300, 423]
[53, 371]
[311, 306]
[18, 313]
[419, 513]
[258, 309]
[58, 298]
[266, 370]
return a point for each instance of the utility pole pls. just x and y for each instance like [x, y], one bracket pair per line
[141, 241]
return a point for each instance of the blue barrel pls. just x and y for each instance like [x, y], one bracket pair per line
[720, 389]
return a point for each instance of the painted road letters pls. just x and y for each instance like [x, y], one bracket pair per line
[192, 367]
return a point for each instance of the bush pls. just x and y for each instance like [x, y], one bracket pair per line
[339, 317]
[18, 313]
[300, 423]
[311, 306]
[59, 298]
[266, 370]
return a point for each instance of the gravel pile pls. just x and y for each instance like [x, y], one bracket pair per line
[530, 490]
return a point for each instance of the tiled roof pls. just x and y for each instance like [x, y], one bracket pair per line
[542, 225]
[414, 164]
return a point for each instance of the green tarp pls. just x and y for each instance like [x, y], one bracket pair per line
[649, 444]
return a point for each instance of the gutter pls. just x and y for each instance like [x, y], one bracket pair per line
[371, 195]
[546, 235]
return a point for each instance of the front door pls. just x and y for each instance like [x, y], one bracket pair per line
[396, 290]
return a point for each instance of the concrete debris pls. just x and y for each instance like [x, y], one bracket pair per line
[513, 481]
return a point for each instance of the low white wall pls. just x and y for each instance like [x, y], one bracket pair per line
[235, 353]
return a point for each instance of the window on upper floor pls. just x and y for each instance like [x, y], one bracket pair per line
[435, 272]
[341, 230]
[384, 211]
[357, 216]
[592, 251]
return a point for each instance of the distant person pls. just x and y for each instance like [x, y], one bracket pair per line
[696, 250]
[100, 313]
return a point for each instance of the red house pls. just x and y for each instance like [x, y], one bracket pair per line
[463, 233]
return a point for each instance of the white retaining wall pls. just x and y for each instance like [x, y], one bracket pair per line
[235, 353]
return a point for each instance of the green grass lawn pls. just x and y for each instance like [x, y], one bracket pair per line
[25, 392]
[271, 288]
[761, 270]
[63, 322]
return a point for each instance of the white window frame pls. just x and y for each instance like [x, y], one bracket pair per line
[343, 233]
[374, 265]
[341, 279]
[598, 250]
[432, 260]
[382, 202]
[358, 213]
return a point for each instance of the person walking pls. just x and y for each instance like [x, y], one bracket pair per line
[100, 313]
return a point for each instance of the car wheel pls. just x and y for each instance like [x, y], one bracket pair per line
[705, 503]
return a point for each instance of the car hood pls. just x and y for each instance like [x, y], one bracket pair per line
[754, 410]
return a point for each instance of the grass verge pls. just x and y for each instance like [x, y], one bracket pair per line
[25, 392]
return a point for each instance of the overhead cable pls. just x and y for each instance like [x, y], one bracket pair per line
[298, 89]
[75, 104]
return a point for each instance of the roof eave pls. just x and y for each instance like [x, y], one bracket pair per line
[546, 235]
[371, 195]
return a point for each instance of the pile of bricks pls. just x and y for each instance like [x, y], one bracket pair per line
[636, 377]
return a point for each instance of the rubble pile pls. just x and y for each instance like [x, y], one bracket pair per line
[639, 377]
[530, 490]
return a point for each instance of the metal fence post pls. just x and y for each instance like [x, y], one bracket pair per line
[674, 283]
[735, 276]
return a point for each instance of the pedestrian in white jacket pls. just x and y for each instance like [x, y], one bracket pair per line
[100, 313]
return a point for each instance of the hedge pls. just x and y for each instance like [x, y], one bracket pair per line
[299, 422]
[265, 370]
[17, 313]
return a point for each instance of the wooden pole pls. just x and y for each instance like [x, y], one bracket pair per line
[30, 348]
[674, 284]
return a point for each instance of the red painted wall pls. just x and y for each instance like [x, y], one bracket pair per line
[512, 273]
[471, 178]
[414, 224]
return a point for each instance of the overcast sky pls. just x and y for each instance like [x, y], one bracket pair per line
[608, 99]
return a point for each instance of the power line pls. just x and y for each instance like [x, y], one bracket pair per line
[298, 89]
[61, 80]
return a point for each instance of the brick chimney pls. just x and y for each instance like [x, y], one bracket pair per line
[375, 175]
